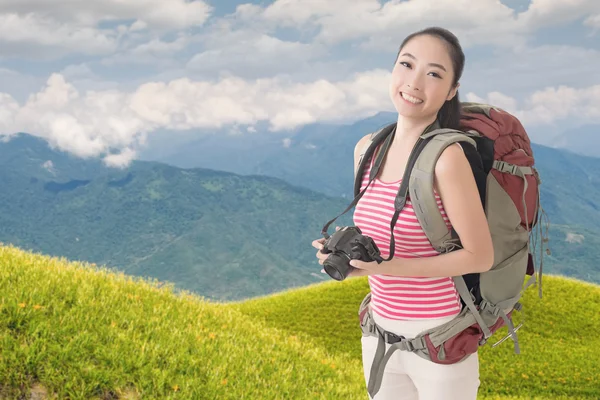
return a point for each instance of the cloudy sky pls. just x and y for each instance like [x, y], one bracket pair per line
[96, 77]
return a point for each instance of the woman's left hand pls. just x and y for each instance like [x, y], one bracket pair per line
[368, 266]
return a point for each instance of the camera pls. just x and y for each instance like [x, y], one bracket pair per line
[348, 243]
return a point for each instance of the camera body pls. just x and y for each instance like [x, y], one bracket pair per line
[348, 243]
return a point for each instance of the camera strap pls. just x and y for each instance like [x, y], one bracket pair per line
[372, 175]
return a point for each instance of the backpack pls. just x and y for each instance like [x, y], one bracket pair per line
[499, 152]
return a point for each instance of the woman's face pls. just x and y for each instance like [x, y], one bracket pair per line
[422, 78]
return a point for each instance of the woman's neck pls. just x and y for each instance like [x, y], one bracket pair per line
[408, 131]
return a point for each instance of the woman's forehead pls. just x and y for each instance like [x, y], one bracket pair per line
[427, 49]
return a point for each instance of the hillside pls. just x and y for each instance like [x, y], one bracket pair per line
[168, 223]
[80, 332]
[33, 158]
[558, 339]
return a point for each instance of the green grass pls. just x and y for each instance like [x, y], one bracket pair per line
[560, 345]
[76, 331]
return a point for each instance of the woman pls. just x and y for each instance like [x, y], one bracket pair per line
[414, 291]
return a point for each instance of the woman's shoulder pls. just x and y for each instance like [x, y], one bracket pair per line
[452, 160]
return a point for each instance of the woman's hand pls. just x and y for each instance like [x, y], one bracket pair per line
[362, 268]
[318, 244]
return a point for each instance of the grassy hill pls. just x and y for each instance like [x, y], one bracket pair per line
[73, 330]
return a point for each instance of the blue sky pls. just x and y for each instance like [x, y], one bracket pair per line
[95, 78]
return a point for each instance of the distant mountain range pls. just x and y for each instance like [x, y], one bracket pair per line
[230, 236]
[303, 158]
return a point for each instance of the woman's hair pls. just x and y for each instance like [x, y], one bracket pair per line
[449, 114]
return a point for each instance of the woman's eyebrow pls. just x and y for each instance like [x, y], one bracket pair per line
[440, 66]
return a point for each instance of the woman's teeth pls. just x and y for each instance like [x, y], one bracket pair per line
[408, 97]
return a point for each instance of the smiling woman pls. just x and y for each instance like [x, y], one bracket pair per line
[411, 296]
[414, 291]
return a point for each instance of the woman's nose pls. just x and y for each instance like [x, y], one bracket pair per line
[412, 87]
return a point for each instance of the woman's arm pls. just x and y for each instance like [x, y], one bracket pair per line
[460, 197]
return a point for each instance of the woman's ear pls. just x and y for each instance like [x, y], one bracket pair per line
[452, 92]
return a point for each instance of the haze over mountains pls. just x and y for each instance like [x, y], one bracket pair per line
[303, 153]
[230, 235]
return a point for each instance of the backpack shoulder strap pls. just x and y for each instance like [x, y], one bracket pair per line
[374, 140]
[421, 188]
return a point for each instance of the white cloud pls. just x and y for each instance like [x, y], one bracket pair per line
[250, 54]
[543, 13]
[88, 125]
[158, 14]
[547, 106]
[593, 21]
[49, 166]
[122, 159]
[520, 71]
[24, 35]
[384, 25]
[42, 29]
[112, 123]
[574, 238]
[498, 99]
[155, 51]
[244, 45]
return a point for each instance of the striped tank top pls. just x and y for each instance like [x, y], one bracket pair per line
[396, 297]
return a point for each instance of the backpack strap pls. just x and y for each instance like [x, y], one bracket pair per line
[421, 189]
[375, 138]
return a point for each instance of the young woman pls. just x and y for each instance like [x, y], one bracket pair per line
[414, 291]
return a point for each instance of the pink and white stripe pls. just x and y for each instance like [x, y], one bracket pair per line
[396, 297]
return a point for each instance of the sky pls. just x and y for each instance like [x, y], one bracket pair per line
[96, 78]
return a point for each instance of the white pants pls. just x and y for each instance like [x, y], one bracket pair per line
[407, 376]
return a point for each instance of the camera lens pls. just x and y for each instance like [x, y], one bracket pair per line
[337, 267]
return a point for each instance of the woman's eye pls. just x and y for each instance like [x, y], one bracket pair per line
[407, 65]
[434, 74]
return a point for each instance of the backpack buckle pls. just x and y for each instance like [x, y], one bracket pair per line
[392, 338]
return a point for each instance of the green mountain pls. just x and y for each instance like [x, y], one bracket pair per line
[33, 158]
[320, 158]
[221, 235]
[228, 236]
[69, 330]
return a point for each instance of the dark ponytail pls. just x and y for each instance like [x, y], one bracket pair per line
[450, 113]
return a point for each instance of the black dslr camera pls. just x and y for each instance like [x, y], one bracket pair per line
[348, 243]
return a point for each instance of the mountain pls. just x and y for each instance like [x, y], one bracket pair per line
[32, 157]
[303, 157]
[222, 235]
[321, 160]
[231, 236]
[70, 330]
[584, 140]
